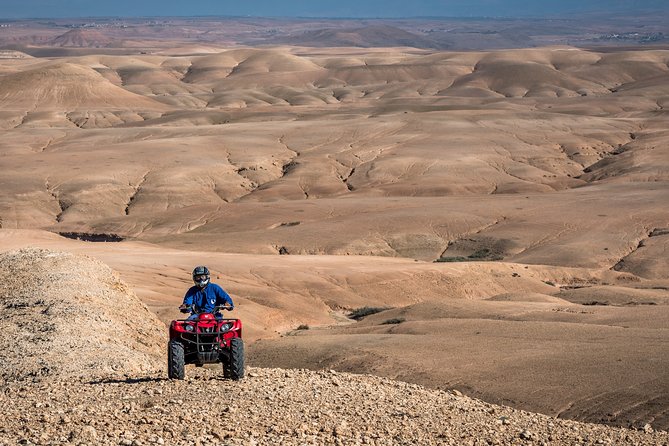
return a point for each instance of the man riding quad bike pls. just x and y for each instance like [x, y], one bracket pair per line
[205, 337]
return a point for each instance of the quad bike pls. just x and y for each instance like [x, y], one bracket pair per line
[206, 339]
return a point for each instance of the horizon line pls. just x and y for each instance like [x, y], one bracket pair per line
[563, 15]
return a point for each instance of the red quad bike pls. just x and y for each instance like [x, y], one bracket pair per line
[206, 340]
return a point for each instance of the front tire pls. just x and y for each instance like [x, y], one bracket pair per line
[234, 368]
[176, 364]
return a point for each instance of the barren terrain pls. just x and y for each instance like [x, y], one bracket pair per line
[124, 35]
[51, 397]
[318, 181]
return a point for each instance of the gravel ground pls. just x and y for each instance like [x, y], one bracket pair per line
[278, 407]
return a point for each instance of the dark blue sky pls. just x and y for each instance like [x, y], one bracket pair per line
[315, 8]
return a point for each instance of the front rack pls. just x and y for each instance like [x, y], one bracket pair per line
[204, 342]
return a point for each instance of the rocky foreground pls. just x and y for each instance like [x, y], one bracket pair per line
[277, 407]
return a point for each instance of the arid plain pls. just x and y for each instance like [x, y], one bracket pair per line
[509, 209]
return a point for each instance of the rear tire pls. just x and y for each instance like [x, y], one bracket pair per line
[234, 367]
[176, 364]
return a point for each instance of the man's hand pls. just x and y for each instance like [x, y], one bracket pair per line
[184, 309]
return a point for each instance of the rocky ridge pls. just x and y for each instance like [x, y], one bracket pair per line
[64, 315]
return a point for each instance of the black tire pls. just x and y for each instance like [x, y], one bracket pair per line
[176, 364]
[233, 368]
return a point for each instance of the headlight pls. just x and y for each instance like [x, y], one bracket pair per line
[225, 327]
[188, 327]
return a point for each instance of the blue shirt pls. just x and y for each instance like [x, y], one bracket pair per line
[205, 299]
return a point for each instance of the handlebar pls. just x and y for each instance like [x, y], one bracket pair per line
[191, 308]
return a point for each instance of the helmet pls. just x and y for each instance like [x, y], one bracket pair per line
[201, 276]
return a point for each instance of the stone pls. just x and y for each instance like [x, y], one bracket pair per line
[526, 435]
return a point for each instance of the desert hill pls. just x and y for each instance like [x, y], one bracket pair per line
[68, 316]
[89, 377]
[85, 38]
[66, 86]
[605, 29]
[547, 127]
[375, 36]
